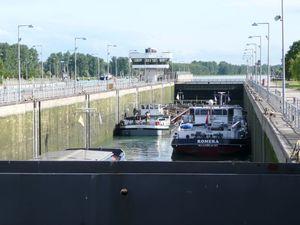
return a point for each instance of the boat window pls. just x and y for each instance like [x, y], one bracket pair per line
[204, 112]
[197, 112]
[224, 112]
[143, 107]
[217, 112]
[147, 106]
[156, 106]
[137, 60]
[238, 112]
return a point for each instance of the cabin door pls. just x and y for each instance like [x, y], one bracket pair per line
[230, 116]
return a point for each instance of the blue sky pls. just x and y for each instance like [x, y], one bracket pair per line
[191, 29]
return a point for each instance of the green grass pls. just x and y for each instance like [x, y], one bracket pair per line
[294, 84]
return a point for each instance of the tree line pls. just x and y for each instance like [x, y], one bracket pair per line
[87, 65]
[9, 61]
[62, 64]
[222, 68]
[57, 64]
[210, 68]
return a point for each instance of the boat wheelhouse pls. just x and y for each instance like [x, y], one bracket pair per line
[151, 66]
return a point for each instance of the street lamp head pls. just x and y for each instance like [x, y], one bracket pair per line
[250, 37]
[25, 25]
[80, 38]
[255, 24]
[278, 17]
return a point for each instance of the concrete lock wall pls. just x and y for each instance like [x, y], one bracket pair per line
[61, 124]
[261, 148]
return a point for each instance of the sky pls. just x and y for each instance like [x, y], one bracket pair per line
[206, 30]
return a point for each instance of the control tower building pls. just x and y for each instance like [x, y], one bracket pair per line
[151, 66]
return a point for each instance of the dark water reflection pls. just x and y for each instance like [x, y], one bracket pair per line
[158, 149]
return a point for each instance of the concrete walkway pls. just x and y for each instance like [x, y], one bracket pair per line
[286, 133]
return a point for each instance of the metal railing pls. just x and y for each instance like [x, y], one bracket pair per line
[218, 79]
[291, 105]
[9, 93]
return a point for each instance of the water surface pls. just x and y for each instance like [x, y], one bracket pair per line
[149, 148]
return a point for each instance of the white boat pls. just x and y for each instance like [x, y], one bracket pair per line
[148, 120]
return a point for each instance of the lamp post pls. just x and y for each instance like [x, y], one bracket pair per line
[130, 64]
[252, 58]
[116, 65]
[107, 51]
[98, 64]
[269, 66]
[19, 57]
[67, 63]
[62, 69]
[41, 56]
[260, 47]
[55, 67]
[75, 52]
[247, 57]
[280, 18]
[255, 55]
[129, 69]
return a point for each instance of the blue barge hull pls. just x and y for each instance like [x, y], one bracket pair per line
[145, 193]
